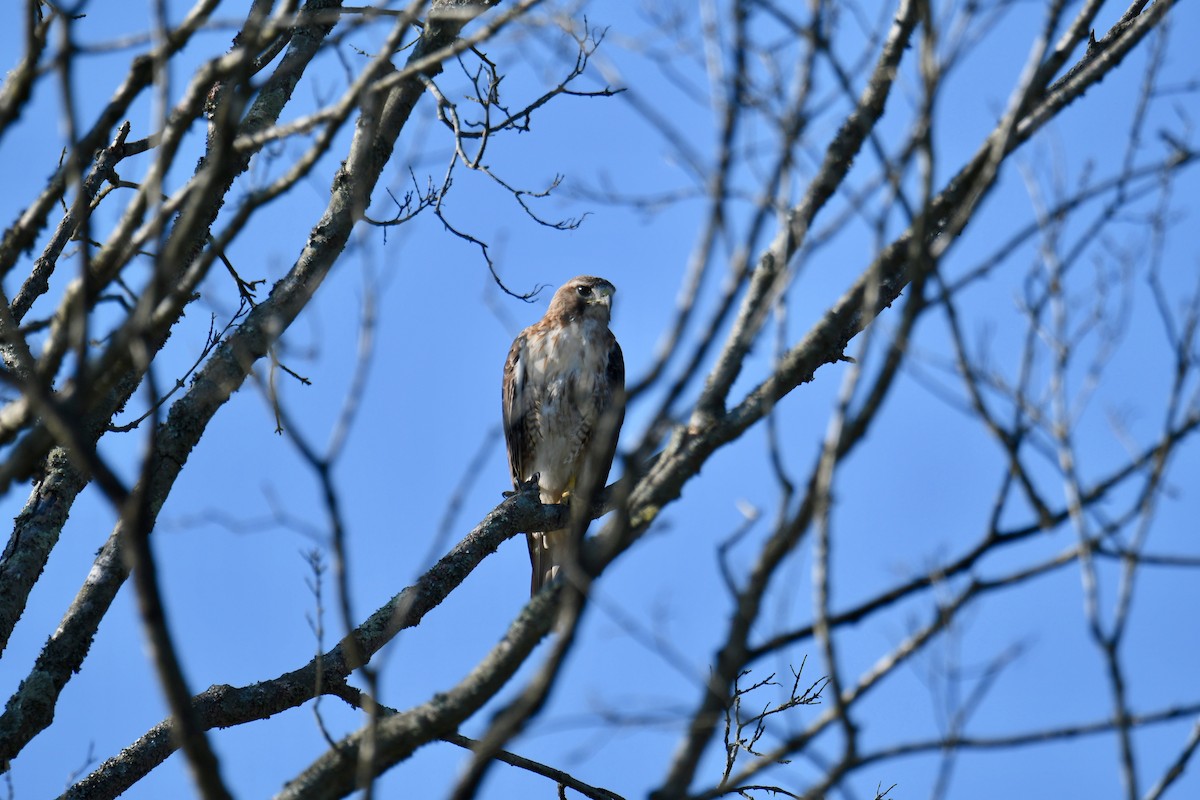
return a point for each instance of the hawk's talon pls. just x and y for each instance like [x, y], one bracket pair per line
[524, 486]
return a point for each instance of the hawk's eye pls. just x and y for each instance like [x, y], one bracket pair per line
[584, 291]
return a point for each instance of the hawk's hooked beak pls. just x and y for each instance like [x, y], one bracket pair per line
[602, 296]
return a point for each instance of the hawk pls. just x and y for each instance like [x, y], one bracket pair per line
[563, 375]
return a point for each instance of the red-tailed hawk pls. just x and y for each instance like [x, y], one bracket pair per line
[562, 376]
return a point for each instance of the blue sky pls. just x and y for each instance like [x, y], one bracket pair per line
[231, 538]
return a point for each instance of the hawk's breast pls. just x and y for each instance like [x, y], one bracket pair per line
[565, 372]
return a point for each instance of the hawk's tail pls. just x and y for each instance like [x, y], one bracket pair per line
[547, 553]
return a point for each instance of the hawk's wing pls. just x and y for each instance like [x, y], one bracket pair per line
[610, 400]
[517, 404]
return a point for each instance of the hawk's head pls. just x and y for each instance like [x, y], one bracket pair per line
[585, 297]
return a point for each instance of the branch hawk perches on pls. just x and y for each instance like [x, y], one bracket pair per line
[564, 381]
